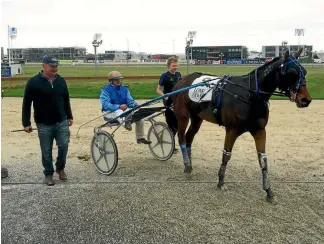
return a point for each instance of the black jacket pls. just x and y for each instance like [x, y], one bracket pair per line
[51, 102]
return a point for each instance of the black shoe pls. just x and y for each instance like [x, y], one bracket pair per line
[49, 180]
[143, 141]
[4, 173]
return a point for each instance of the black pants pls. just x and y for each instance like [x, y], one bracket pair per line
[170, 117]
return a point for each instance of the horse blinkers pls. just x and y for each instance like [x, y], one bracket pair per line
[295, 70]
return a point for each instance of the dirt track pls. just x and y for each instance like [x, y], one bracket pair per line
[295, 148]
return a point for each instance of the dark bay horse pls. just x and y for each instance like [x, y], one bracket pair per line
[240, 104]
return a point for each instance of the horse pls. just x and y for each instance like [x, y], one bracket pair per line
[239, 104]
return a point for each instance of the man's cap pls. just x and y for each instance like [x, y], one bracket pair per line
[114, 75]
[50, 60]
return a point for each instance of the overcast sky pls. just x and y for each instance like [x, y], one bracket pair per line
[152, 25]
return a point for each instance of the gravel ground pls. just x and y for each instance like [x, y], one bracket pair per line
[148, 201]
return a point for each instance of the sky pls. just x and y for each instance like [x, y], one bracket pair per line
[161, 26]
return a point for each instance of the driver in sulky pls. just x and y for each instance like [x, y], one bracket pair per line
[116, 99]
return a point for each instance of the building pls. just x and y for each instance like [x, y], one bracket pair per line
[215, 53]
[160, 57]
[2, 54]
[254, 55]
[37, 54]
[119, 55]
[277, 50]
[113, 55]
[320, 55]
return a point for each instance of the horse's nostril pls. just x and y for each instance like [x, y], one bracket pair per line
[305, 102]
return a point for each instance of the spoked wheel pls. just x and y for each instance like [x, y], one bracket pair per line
[104, 152]
[163, 144]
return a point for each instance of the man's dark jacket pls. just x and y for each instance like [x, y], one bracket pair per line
[51, 102]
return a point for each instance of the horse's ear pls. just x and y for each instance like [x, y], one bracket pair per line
[298, 53]
[286, 55]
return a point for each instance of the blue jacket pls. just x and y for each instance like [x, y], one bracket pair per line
[112, 97]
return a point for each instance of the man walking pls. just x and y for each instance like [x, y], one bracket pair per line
[52, 113]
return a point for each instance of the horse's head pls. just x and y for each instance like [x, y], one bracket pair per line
[292, 80]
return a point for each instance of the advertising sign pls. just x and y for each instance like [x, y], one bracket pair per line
[254, 61]
[5, 71]
[233, 61]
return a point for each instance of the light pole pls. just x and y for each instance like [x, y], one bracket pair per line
[96, 43]
[299, 32]
[12, 34]
[306, 53]
[283, 44]
[221, 56]
[189, 41]
[127, 56]
[187, 54]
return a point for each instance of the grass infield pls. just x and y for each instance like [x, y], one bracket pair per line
[141, 88]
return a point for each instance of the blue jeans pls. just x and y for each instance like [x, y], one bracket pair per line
[46, 134]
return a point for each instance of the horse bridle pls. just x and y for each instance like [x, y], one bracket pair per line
[292, 93]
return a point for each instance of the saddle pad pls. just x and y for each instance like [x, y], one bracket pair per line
[203, 93]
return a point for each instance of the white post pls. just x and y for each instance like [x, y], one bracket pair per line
[8, 44]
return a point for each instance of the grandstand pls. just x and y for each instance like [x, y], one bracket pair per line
[215, 53]
[37, 54]
[277, 50]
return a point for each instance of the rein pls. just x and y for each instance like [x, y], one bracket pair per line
[257, 91]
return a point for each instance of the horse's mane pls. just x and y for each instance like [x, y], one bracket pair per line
[266, 64]
[271, 62]
[251, 72]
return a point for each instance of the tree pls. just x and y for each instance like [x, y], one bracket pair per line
[315, 55]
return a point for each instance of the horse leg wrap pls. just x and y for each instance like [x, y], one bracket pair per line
[221, 172]
[186, 159]
[264, 167]
[189, 151]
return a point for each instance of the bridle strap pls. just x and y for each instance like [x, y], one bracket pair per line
[301, 73]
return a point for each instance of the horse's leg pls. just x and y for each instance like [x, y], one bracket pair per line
[260, 143]
[192, 131]
[230, 138]
[182, 126]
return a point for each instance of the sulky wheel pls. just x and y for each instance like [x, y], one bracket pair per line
[104, 152]
[163, 144]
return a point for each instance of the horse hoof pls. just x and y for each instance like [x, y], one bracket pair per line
[188, 169]
[270, 199]
[269, 195]
[221, 187]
